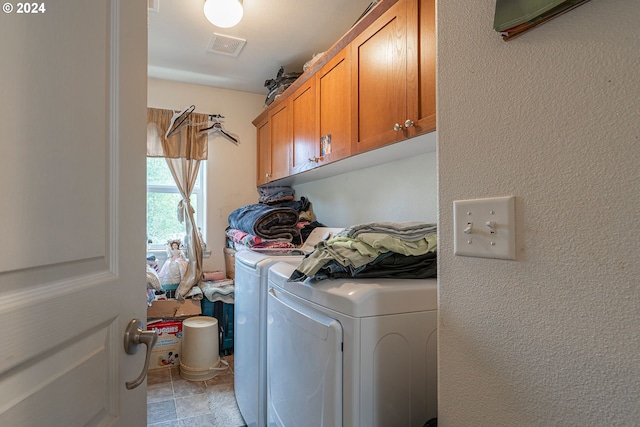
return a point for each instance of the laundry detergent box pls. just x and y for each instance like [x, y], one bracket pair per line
[166, 351]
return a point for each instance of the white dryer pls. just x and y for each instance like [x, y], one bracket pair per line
[351, 352]
[250, 305]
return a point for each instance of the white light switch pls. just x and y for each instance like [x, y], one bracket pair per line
[485, 228]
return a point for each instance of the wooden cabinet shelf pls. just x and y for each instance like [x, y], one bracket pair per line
[305, 128]
[333, 109]
[263, 144]
[273, 144]
[379, 85]
[393, 83]
[374, 87]
[421, 66]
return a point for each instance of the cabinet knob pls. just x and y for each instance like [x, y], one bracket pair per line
[408, 123]
[267, 175]
[314, 160]
[397, 127]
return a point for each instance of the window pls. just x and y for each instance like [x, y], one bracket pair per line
[162, 203]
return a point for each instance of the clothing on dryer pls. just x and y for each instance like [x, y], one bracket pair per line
[395, 250]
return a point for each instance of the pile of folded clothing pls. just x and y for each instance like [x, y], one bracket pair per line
[276, 194]
[406, 250]
[216, 287]
[276, 221]
[239, 237]
[267, 222]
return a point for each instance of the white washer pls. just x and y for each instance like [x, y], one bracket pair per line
[351, 352]
[250, 306]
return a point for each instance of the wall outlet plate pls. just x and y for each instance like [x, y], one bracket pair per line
[485, 228]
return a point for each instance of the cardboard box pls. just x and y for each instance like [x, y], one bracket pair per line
[173, 309]
[166, 352]
[230, 262]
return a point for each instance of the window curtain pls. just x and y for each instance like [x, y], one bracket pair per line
[183, 151]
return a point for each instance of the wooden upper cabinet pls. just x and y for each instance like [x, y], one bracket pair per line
[303, 117]
[273, 143]
[263, 173]
[379, 81]
[394, 76]
[376, 86]
[333, 108]
[280, 140]
[321, 115]
[421, 66]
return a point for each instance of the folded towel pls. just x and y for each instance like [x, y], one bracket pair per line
[275, 194]
[221, 290]
[409, 231]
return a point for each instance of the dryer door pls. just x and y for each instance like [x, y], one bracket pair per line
[304, 359]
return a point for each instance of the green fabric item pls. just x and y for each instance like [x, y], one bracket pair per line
[360, 251]
[385, 243]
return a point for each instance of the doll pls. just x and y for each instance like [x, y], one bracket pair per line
[174, 267]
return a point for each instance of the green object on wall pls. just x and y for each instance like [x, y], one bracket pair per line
[513, 17]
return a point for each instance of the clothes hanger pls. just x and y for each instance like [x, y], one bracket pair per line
[217, 127]
[178, 119]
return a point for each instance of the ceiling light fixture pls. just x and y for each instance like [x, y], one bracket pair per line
[223, 13]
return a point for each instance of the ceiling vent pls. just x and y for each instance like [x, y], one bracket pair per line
[225, 45]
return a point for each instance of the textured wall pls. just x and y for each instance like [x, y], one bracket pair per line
[552, 117]
[403, 190]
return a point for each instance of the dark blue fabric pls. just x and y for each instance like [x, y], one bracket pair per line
[387, 265]
[268, 222]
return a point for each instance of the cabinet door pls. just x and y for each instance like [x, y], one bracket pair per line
[333, 108]
[263, 173]
[421, 67]
[280, 119]
[305, 145]
[379, 81]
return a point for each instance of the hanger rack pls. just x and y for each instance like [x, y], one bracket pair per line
[178, 120]
[217, 127]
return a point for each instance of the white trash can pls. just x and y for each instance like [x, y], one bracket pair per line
[200, 359]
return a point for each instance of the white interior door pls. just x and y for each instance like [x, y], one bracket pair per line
[72, 150]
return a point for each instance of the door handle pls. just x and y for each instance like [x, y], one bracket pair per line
[134, 336]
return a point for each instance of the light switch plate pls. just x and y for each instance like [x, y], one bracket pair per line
[485, 228]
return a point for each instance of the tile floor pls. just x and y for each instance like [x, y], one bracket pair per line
[175, 402]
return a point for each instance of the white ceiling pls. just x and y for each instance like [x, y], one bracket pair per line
[277, 33]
